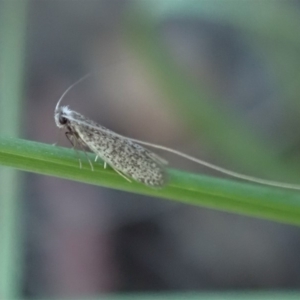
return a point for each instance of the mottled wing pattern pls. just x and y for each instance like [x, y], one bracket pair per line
[120, 153]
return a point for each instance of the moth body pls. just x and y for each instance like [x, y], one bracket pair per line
[122, 154]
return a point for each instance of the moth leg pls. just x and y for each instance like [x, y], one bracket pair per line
[81, 145]
[76, 142]
[92, 167]
[70, 137]
[121, 174]
[105, 164]
[57, 138]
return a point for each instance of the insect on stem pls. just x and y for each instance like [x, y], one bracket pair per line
[125, 155]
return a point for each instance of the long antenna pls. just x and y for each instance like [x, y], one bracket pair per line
[84, 78]
[70, 87]
[222, 170]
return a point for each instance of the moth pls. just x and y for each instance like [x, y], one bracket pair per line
[126, 157]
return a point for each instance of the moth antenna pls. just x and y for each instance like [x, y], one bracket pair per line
[82, 79]
[222, 170]
[70, 87]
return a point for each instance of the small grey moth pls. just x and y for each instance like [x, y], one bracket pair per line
[126, 157]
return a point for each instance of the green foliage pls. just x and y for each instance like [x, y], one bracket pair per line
[248, 199]
[12, 51]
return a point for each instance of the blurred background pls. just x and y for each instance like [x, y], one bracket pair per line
[215, 79]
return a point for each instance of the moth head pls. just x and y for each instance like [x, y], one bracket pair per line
[61, 116]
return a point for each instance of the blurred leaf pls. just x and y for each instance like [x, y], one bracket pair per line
[243, 295]
[270, 28]
[197, 104]
[13, 16]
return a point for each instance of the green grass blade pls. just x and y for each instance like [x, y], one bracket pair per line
[231, 196]
[12, 51]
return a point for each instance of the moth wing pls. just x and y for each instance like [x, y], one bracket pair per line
[122, 154]
[152, 171]
[157, 158]
[91, 126]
